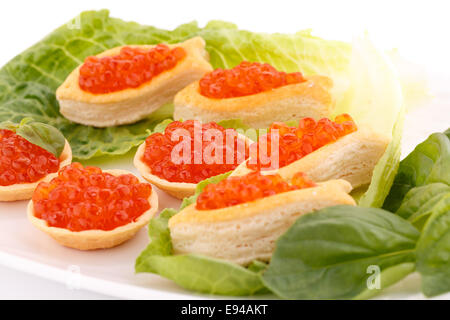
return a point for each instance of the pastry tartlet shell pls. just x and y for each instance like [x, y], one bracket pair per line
[24, 191]
[96, 239]
[179, 190]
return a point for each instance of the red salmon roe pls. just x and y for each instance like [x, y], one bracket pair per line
[245, 79]
[129, 69]
[296, 142]
[242, 189]
[201, 159]
[23, 162]
[87, 199]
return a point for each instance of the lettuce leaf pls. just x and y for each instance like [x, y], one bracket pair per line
[28, 82]
[196, 272]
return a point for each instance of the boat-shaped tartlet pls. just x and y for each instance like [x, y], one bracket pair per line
[240, 221]
[255, 93]
[324, 153]
[126, 84]
[88, 209]
[158, 163]
[23, 164]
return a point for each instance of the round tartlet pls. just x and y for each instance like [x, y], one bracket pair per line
[311, 98]
[132, 104]
[96, 239]
[248, 231]
[178, 190]
[351, 157]
[24, 191]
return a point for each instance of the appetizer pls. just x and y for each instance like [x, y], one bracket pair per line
[30, 152]
[240, 218]
[86, 208]
[257, 94]
[187, 153]
[126, 84]
[323, 150]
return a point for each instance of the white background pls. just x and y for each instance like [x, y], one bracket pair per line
[419, 29]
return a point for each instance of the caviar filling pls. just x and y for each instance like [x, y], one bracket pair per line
[190, 151]
[85, 198]
[23, 162]
[236, 190]
[296, 142]
[245, 79]
[131, 68]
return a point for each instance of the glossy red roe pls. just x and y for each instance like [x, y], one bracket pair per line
[245, 79]
[296, 142]
[236, 190]
[131, 68]
[23, 162]
[200, 161]
[86, 198]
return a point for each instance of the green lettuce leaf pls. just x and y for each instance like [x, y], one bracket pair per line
[332, 254]
[196, 272]
[385, 170]
[28, 82]
[428, 163]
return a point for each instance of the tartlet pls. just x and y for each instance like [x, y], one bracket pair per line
[178, 190]
[352, 158]
[96, 239]
[132, 104]
[310, 98]
[248, 231]
[24, 191]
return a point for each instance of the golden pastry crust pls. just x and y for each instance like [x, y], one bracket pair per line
[24, 191]
[96, 239]
[179, 190]
[352, 158]
[132, 104]
[248, 231]
[311, 98]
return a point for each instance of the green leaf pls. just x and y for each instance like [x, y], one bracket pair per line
[420, 202]
[433, 250]
[385, 170]
[326, 254]
[40, 134]
[428, 163]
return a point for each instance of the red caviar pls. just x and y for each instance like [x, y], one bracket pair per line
[245, 79]
[296, 142]
[23, 162]
[235, 190]
[85, 198]
[201, 158]
[131, 68]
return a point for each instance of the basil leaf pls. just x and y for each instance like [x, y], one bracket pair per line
[329, 254]
[40, 134]
[420, 202]
[44, 136]
[433, 250]
[428, 163]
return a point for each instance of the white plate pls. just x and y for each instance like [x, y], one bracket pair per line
[111, 271]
